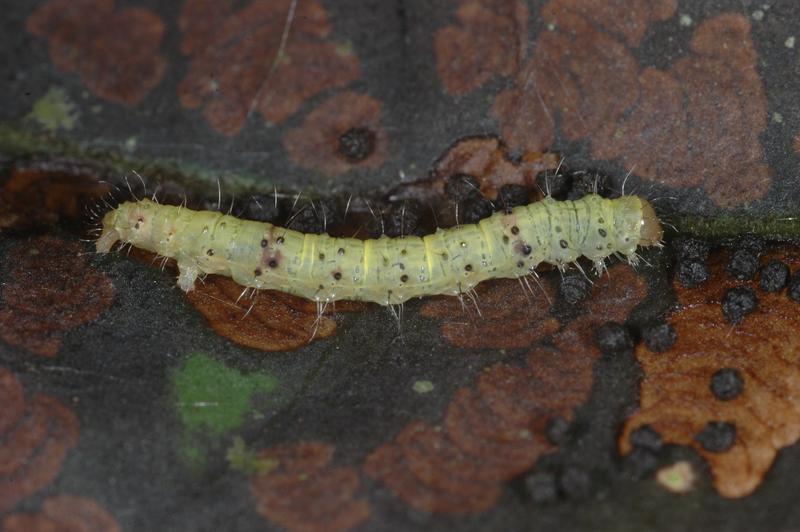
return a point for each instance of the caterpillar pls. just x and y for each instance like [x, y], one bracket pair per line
[385, 270]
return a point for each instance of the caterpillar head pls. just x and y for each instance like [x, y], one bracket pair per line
[650, 231]
[130, 222]
[636, 224]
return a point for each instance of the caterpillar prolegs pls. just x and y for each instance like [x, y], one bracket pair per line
[385, 270]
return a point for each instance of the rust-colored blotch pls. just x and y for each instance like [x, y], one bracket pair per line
[304, 492]
[45, 192]
[490, 39]
[677, 398]
[275, 322]
[51, 289]
[241, 52]
[63, 513]
[115, 52]
[495, 431]
[696, 123]
[343, 133]
[35, 436]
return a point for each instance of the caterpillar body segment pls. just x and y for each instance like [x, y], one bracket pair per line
[385, 270]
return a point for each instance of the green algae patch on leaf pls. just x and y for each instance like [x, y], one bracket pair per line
[213, 399]
[54, 111]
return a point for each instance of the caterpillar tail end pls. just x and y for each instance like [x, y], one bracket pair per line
[651, 232]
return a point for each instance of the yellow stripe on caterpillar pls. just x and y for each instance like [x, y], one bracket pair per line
[385, 270]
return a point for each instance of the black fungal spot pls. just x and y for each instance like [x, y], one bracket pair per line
[340, 251]
[575, 482]
[264, 242]
[514, 230]
[690, 248]
[356, 144]
[738, 302]
[401, 266]
[794, 287]
[646, 437]
[640, 463]
[280, 240]
[563, 243]
[445, 256]
[557, 430]
[574, 287]
[585, 182]
[505, 239]
[404, 278]
[210, 252]
[773, 276]
[717, 436]
[405, 219]
[468, 267]
[260, 209]
[613, 338]
[542, 487]
[404, 252]
[273, 263]
[257, 272]
[520, 264]
[476, 209]
[743, 263]
[512, 195]
[136, 226]
[462, 187]
[321, 256]
[692, 272]
[602, 232]
[659, 337]
[337, 275]
[526, 250]
[727, 384]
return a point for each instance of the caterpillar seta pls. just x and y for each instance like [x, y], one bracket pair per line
[388, 271]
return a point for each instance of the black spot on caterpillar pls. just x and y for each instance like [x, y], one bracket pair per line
[385, 270]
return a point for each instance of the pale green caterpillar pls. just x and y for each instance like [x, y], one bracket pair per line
[385, 270]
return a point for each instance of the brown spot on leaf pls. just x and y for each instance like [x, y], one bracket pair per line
[323, 142]
[487, 161]
[489, 39]
[676, 393]
[42, 193]
[276, 322]
[50, 289]
[233, 53]
[115, 52]
[495, 431]
[35, 436]
[63, 513]
[695, 124]
[509, 317]
[304, 492]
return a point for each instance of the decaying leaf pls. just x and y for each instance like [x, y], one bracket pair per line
[729, 390]
[496, 430]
